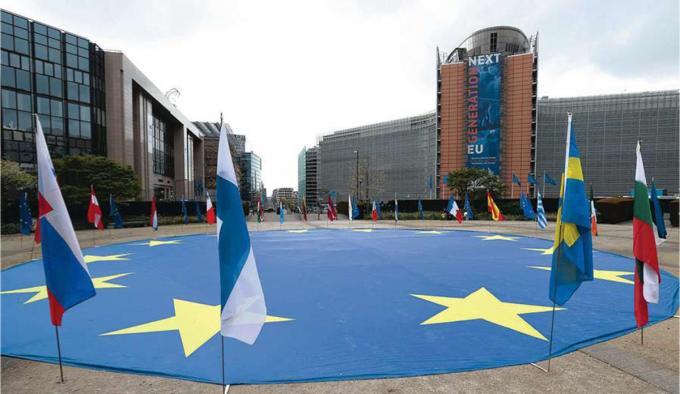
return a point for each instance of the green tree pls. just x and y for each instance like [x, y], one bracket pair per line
[76, 173]
[15, 180]
[476, 181]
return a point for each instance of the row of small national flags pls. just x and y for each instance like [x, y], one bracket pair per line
[95, 215]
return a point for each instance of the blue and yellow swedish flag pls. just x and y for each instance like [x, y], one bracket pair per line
[572, 261]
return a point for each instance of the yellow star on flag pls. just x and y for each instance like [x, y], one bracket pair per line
[41, 291]
[612, 276]
[482, 305]
[543, 251]
[363, 230]
[196, 323]
[297, 231]
[496, 238]
[90, 258]
[154, 242]
[431, 232]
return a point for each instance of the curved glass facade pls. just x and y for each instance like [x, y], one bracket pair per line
[499, 39]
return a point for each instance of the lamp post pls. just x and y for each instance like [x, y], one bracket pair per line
[356, 153]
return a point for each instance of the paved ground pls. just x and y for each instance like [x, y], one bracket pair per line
[620, 365]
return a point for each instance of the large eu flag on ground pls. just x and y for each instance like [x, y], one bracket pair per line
[243, 309]
[572, 261]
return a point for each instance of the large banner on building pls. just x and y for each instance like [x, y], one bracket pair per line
[483, 109]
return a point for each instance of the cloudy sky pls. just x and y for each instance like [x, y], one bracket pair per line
[285, 72]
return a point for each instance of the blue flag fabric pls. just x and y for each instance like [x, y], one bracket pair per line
[199, 214]
[515, 180]
[114, 213]
[243, 310]
[527, 209]
[449, 205]
[547, 179]
[282, 215]
[540, 213]
[658, 214]
[185, 214]
[468, 208]
[25, 219]
[531, 179]
[355, 210]
[378, 204]
[572, 259]
[421, 214]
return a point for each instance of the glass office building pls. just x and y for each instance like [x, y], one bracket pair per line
[607, 128]
[59, 76]
[378, 160]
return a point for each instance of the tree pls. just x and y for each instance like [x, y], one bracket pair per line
[15, 180]
[76, 173]
[476, 181]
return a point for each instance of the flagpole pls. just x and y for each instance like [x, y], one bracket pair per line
[225, 388]
[543, 183]
[61, 369]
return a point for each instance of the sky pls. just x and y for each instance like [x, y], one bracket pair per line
[286, 72]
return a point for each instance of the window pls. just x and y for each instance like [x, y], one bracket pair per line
[494, 41]
[57, 126]
[41, 52]
[56, 87]
[72, 91]
[85, 113]
[42, 84]
[24, 121]
[7, 74]
[55, 55]
[23, 79]
[21, 45]
[57, 108]
[43, 105]
[9, 118]
[9, 99]
[23, 102]
[73, 128]
[84, 93]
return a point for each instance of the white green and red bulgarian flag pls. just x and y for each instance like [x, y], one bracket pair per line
[647, 276]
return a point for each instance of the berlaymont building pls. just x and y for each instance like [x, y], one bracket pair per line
[488, 116]
[93, 101]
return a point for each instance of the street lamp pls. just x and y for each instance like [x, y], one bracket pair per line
[356, 153]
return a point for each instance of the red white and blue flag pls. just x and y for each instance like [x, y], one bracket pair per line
[66, 276]
[94, 212]
[153, 221]
[243, 308]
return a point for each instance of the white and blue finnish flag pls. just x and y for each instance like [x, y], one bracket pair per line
[243, 308]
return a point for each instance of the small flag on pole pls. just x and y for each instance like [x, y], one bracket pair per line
[468, 208]
[67, 278]
[153, 216]
[496, 214]
[547, 179]
[593, 218]
[185, 214]
[527, 209]
[281, 213]
[332, 215]
[421, 214]
[540, 213]
[94, 211]
[260, 213]
[243, 309]
[516, 180]
[572, 259]
[396, 210]
[374, 212]
[304, 208]
[531, 179]
[647, 276]
[26, 220]
[209, 210]
[658, 217]
[454, 210]
[350, 208]
[114, 213]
